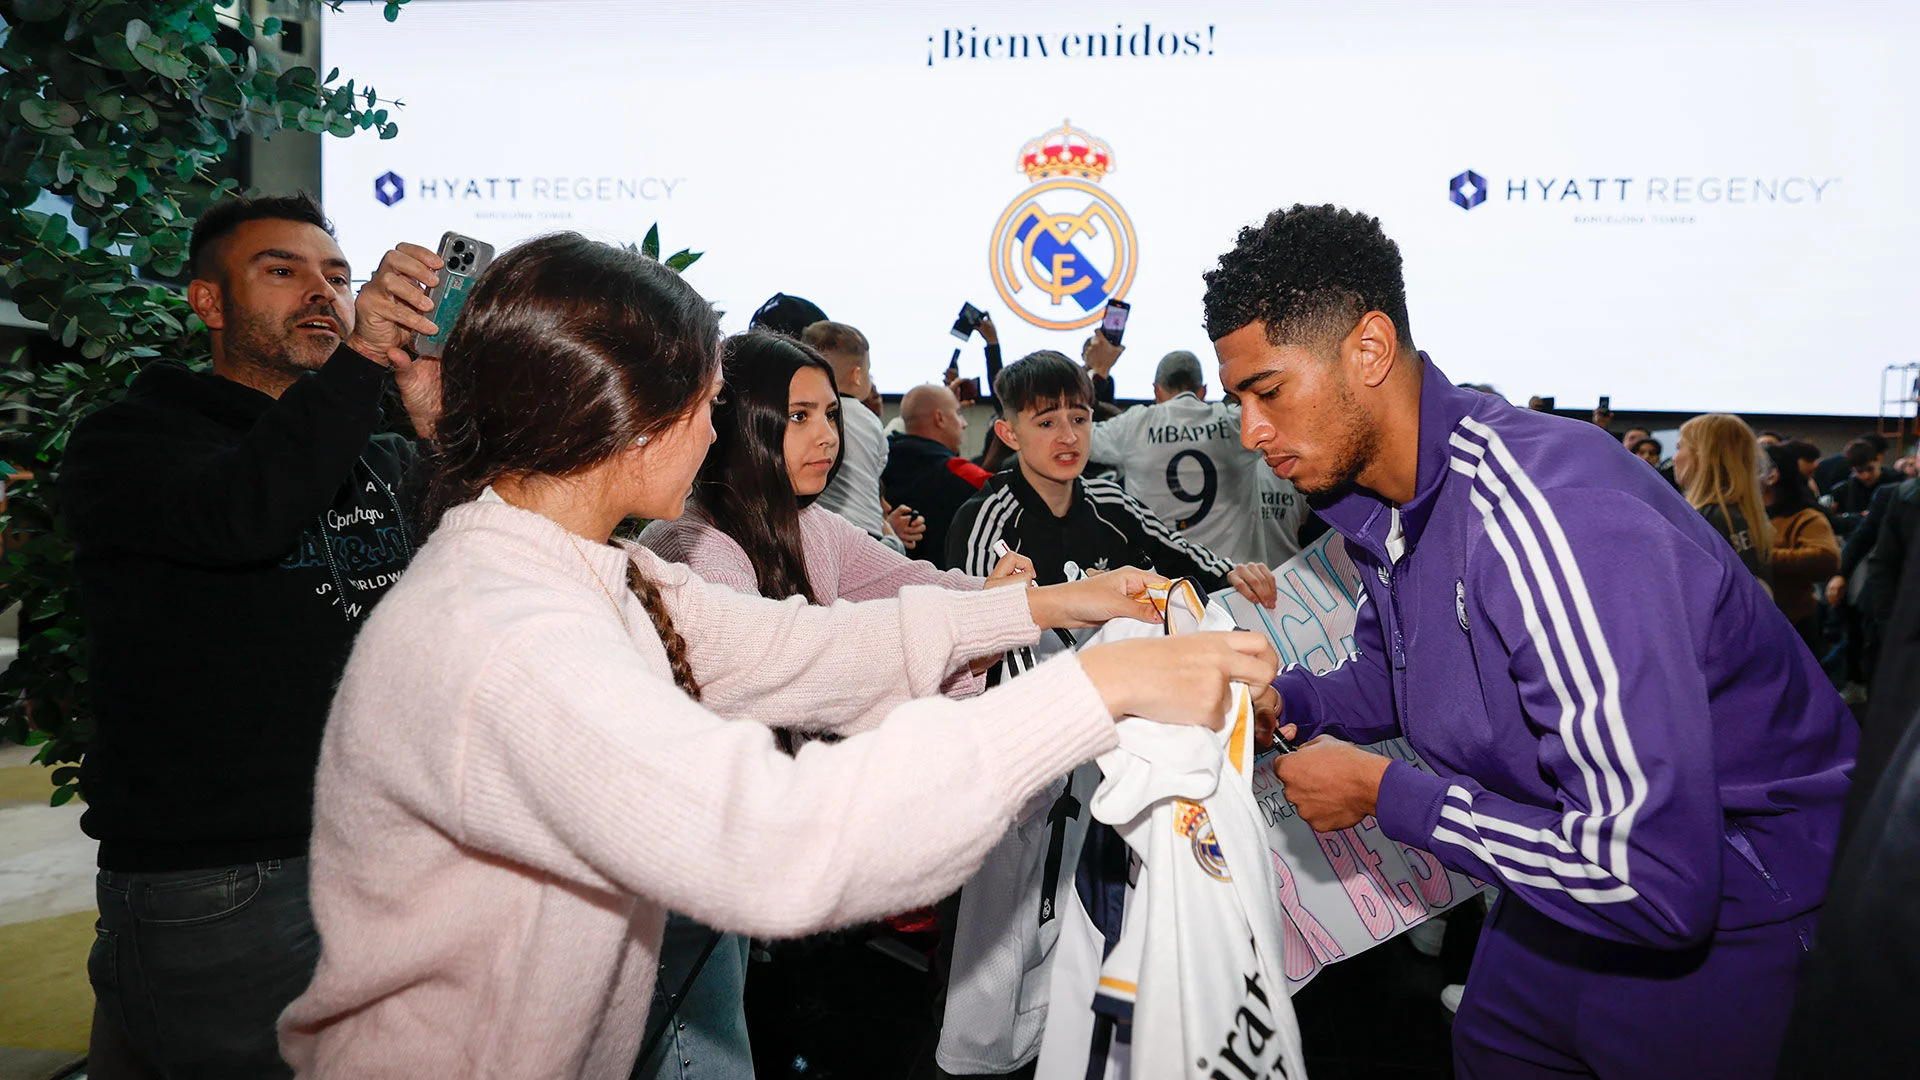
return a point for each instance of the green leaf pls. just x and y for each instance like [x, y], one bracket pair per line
[98, 179]
[680, 260]
[137, 32]
[65, 775]
[63, 796]
[650, 246]
[393, 10]
[43, 115]
[52, 230]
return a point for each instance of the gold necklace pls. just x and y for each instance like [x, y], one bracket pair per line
[618, 611]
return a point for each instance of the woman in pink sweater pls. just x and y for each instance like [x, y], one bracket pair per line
[544, 741]
[753, 526]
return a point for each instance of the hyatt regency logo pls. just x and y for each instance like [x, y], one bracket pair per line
[389, 188]
[1467, 190]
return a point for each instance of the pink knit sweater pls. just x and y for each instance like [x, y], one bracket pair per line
[512, 792]
[843, 563]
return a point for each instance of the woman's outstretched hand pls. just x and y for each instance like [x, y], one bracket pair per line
[1184, 679]
[1092, 601]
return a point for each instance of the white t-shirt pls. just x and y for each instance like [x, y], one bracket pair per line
[855, 491]
[1183, 458]
[1282, 511]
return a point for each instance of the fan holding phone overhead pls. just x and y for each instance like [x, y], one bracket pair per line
[465, 258]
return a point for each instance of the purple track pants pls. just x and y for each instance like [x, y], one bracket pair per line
[1545, 1001]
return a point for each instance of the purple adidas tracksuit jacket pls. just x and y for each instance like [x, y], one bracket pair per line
[1630, 741]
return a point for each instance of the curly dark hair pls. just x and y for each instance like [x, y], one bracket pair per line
[1308, 273]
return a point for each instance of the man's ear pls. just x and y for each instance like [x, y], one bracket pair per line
[1372, 349]
[204, 298]
[1005, 431]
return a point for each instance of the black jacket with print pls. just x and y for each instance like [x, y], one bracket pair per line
[228, 547]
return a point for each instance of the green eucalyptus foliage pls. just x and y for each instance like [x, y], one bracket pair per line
[125, 108]
[676, 262]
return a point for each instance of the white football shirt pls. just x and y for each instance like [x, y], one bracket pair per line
[1183, 458]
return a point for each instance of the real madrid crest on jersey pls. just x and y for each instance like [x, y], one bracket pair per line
[1063, 248]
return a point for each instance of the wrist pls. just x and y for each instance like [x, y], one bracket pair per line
[1371, 777]
[372, 352]
[1107, 679]
[1043, 605]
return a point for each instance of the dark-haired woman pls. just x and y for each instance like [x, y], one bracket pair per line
[752, 526]
[1805, 551]
[543, 741]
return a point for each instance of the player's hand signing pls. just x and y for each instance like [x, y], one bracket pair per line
[388, 311]
[1012, 569]
[1255, 582]
[1266, 716]
[1092, 601]
[1333, 784]
[1184, 679]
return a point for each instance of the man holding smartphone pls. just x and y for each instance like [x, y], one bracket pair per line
[232, 528]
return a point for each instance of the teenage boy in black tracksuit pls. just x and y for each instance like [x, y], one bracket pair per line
[232, 528]
[1044, 509]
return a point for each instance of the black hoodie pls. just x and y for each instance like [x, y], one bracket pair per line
[228, 546]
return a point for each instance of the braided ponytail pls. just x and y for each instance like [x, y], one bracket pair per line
[676, 646]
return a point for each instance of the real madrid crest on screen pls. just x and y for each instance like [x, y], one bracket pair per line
[1063, 248]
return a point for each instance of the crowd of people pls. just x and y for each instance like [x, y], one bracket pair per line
[1832, 546]
[414, 757]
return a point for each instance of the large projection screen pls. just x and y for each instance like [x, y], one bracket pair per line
[1685, 206]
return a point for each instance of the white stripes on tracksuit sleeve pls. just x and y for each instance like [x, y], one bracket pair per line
[1108, 493]
[1587, 856]
[996, 511]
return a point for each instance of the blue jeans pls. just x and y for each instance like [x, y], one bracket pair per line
[708, 1036]
[196, 965]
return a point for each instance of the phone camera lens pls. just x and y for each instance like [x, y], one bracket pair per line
[459, 246]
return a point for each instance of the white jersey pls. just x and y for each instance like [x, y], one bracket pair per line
[855, 491]
[1183, 458]
[1282, 511]
[1011, 914]
[1198, 974]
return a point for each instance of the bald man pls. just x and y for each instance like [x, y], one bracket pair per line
[925, 469]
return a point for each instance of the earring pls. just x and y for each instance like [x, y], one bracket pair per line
[642, 440]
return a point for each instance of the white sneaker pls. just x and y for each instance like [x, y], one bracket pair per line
[1853, 694]
[1428, 936]
[1450, 996]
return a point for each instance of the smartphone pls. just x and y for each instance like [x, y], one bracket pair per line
[1606, 403]
[1114, 323]
[465, 258]
[968, 322]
